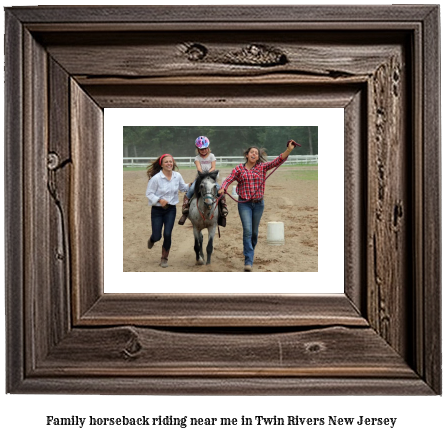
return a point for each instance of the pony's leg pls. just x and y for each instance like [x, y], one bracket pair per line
[202, 256]
[210, 247]
[198, 238]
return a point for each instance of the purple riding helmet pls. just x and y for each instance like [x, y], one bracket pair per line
[202, 142]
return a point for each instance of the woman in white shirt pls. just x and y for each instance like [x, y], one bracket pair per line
[162, 193]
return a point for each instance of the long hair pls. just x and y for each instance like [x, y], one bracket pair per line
[155, 167]
[262, 155]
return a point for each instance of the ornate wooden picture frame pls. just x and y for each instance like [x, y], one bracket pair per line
[379, 63]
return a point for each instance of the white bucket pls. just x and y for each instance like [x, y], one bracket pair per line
[234, 192]
[276, 233]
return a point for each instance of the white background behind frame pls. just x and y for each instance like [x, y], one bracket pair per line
[25, 414]
[330, 122]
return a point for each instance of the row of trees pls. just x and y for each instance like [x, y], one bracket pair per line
[152, 141]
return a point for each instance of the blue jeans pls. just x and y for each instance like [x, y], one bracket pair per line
[250, 215]
[163, 217]
[191, 190]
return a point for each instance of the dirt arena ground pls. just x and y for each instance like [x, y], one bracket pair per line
[291, 197]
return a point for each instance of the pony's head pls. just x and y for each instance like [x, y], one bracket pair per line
[206, 187]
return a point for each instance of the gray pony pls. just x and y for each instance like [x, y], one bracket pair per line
[203, 213]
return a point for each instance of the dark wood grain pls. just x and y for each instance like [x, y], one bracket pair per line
[233, 95]
[166, 385]
[59, 166]
[38, 309]
[234, 310]
[355, 187]
[129, 351]
[86, 199]
[169, 55]
[14, 239]
[388, 202]
[430, 319]
[357, 15]
[64, 65]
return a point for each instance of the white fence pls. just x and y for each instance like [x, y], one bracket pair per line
[221, 161]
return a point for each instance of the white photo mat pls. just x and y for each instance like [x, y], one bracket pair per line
[330, 122]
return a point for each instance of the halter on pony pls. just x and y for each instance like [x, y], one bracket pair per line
[208, 195]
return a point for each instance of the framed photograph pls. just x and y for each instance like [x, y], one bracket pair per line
[379, 332]
[291, 193]
[310, 250]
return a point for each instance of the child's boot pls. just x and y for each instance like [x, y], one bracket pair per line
[223, 212]
[185, 210]
[224, 207]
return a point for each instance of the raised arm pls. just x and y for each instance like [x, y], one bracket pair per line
[289, 148]
[282, 157]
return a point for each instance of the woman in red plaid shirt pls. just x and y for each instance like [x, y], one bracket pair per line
[251, 177]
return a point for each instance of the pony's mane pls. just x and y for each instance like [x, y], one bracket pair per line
[201, 176]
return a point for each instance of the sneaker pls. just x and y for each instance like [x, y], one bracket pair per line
[248, 268]
[164, 263]
[150, 243]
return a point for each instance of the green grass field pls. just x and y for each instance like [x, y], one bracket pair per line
[302, 175]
